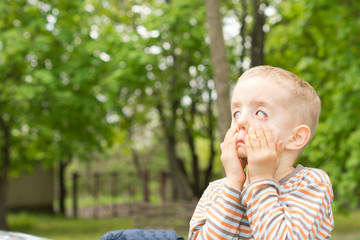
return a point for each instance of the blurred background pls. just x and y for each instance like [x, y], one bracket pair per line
[112, 111]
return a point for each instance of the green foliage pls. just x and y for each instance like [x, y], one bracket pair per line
[76, 76]
[318, 41]
[48, 73]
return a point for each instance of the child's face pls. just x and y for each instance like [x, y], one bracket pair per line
[262, 101]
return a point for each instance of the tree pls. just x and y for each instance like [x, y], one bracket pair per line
[165, 72]
[258, 34]
[220, 65]
[50, 109]
[17, 59]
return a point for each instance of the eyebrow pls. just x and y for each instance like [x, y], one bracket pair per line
[233, 105]
[256, 102]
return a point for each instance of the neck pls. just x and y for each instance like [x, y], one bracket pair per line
[286, 166]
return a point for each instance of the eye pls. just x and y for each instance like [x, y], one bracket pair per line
[236, 114]
[261, 114]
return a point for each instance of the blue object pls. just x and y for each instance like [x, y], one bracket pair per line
[140, 234]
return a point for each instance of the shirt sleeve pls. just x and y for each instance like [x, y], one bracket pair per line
[304, 213]
[218, 214]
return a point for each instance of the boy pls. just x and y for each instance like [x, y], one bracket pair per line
[274, 116]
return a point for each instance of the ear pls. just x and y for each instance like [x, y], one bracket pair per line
[301, 136]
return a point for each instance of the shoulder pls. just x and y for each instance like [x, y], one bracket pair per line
[313, 175]
[214, 188]
[305, 176]
[309, 183]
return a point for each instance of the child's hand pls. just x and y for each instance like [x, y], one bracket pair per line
[262, 152]
[233, 166]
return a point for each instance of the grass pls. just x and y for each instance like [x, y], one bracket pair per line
[347, 227]
[62, 228]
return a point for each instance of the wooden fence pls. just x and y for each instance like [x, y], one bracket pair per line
[124, 195]
[125, 198]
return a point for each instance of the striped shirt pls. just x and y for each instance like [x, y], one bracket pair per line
[296, 207]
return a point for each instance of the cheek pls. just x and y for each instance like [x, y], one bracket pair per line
[280, 131]
[276, 131]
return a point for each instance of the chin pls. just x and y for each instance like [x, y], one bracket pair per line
[242, 154]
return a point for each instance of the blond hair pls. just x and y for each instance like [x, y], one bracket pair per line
[304, 95]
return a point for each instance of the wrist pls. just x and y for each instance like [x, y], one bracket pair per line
[236, 184]
[260, 178]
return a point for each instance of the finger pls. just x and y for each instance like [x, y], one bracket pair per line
[230, 133]
[253, 139]
[248, 145]
[250, 139]
[259, 131]
[269, 136]
[230, 139]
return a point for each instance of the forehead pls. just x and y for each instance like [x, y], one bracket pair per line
[260, 89]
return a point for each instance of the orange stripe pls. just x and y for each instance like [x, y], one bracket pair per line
[302, 215]
[293, 185]
[320, 223]
[196, 234]
[252, 190]
[250, 215]
[273, 213]
[310, 194]
[313, 231]
[222, 222]
[245, 231]
[322, 234]
[310, 175]
[290, 231]
[193, 229]
[207, 235]
[230, 196]
[328, 224]
[306, 205]
[298, 227]
[283, 233]
[327, 188]
[229, 210]
[277, 210]
[217, 235]
[265, 193]
[212, 195]
[272, 230]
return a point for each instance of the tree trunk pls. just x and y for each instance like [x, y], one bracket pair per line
[257, 36]
[194, 157]
[62, 186]
[210, 130]
[242, 19]
[220, 65]
[146, 190]
[180, 182]
[134, 152]
[5, 157]
[178, 175]
[141, 172]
